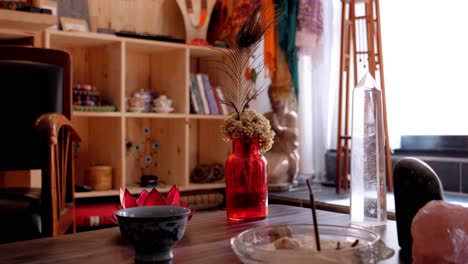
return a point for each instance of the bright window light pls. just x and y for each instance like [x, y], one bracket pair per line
[425, 49]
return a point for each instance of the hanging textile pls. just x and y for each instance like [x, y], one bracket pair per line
[310, 29]
[319, 85]
[270, 39]
[240, 13]
[218, 22]
[287, 36]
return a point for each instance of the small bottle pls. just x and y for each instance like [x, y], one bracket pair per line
[368, 188]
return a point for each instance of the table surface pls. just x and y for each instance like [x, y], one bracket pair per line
[206, 240]
[327, 199]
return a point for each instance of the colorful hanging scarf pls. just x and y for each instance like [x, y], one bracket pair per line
[310, 27]
[218, 22]
[270, 40]
[287, 36]
[310, 16]
[239, 14]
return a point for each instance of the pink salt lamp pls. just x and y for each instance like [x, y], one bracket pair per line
[440, 234]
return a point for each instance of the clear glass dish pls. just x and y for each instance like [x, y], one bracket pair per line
[255, 245]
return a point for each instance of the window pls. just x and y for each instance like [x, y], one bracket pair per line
[425, 49]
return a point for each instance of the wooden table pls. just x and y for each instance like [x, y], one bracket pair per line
[206, 240]
[326, 199]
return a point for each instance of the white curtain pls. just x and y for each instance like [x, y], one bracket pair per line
[318, 89]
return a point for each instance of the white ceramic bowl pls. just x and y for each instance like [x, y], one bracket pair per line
[163, 109]
[136, 109]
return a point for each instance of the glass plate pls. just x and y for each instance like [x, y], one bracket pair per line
[254, 245]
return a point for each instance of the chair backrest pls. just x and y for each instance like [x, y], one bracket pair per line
[34, 82]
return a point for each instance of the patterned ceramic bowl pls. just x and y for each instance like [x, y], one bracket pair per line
[153, 230]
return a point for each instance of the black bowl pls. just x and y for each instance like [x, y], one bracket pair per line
[153, 230]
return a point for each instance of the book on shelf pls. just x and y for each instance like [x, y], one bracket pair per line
[201, 90]
[195, 92]
[210, 95]
[192, 109]
[218, 104]
[194, 105]
[220, 94]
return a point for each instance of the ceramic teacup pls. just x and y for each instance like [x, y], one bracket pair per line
[153, 230]
[162, 102]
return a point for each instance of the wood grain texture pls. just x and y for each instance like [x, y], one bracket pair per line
[206, 240]
[20, 179]
[137, 72]
[26, 21]
[161, 189]
[102, 141]
[119, 67]
[168, 159]
[105, 141]
[158, 17]
[325, 199]
[211, 147]
[10, 36]
[168, 76]
[57, 38]
[205, 143]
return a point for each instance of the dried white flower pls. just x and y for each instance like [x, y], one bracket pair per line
[250, 125]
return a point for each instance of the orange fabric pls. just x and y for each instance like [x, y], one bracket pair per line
[270, 39]
[281, 85]
[202, 20]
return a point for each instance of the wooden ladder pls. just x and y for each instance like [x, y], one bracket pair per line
[361, 33]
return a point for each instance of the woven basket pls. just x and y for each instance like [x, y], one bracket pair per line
[99, 178]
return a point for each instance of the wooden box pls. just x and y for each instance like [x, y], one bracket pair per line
[99, 178]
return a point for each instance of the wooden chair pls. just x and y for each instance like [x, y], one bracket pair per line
[36, 134]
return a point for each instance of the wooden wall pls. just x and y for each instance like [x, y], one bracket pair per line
[159, 17]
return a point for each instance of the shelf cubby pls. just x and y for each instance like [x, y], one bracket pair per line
[102, 143]
[96, 60]
[161, 68]
[208, 60]
[205, 143]
[156, 147]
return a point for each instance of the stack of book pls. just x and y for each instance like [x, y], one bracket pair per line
[204, 96]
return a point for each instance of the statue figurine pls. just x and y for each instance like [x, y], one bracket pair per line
[283, 157]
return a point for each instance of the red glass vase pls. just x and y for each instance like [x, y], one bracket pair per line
[246, 181]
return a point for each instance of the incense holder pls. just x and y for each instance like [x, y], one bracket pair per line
[265, 245]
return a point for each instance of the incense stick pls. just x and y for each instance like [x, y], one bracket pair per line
[314, 216]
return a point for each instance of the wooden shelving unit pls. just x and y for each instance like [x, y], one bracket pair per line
[26, 21]
[121, 66]
[96, 114]
[24, 28]
[138, 190]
